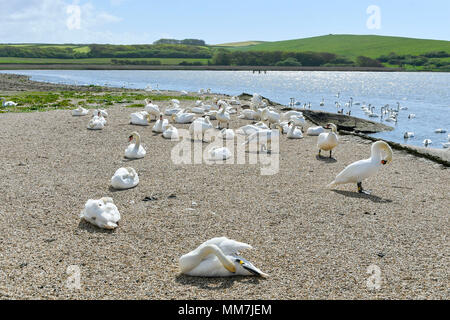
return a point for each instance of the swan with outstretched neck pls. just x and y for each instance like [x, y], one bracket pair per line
[135, 150]
[380, 155]
[218, 257]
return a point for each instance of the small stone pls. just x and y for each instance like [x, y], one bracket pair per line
[381, 254]
[151, 198]
[172, 196]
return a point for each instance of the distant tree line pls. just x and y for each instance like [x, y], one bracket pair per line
[135, 62]
[431, 60]
[190, 42]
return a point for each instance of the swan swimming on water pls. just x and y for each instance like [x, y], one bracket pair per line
[218, 257]
[380, 155]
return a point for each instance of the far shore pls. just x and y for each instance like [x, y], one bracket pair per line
[22, 66]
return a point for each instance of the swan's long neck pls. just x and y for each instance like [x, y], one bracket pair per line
[190, 261]
[138, 142]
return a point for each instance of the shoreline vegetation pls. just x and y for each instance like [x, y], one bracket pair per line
[327, 53]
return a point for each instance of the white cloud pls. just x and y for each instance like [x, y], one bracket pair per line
[56, 21]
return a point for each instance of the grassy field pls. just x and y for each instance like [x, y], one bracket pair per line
[353, 45]
[164, 61]
[239, 44]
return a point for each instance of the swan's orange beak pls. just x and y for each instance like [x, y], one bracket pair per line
[130, 138]
[383, 162]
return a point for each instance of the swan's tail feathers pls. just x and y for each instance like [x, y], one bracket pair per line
[332, 185]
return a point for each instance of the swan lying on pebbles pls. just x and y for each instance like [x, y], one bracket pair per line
[315, 131]
[219, 153]
[294, 132]
[218, 257]
[80, 111]
[171, 133]
[160, 125]
[327, 141]
[124, 178]
[97, 122]
[135, 150]
[226, 134]
[380, 154]
[140, 118]
[103, 213]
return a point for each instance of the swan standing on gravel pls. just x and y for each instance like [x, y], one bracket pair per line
[135, 150]
[103, 213]
[199, 126]
[8, 103]
[152, 109]
[218, 257]
[171, 133]
[80, 111]
[272, 117]
[327, 141]
[141, 118]
[160, 125]
[124, 178]
[381, 154]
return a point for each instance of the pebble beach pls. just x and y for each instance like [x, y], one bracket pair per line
[313, 242]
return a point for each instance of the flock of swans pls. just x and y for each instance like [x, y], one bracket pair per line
[386, 113]
[220, 257]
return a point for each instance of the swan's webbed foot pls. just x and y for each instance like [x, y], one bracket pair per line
[361, 190]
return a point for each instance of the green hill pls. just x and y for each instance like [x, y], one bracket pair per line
[353, 45]
[239, 44]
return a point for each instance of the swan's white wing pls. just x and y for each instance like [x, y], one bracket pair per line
[356, 171]
[230, 247]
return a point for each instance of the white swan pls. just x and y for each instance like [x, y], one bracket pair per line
[160, 125]
[446, 145]
[287, 115]
[135, 150]
[175, 101]
[219, 153]
[264, 137]
[183, 117]
[218, 257]
[124, 178]
[223, 117]
[141, 118]
[294, 132]
[408, 135]
[249, 114]
[440, 130]
[251, 128]
[381, 154]
[97, 122]
[411, 116]
[103, 213]
[199, 127]
[298, 120]
[427, 142]
[327, 141]
[8, 103]
[226, 134]
[103, 112]
[171, 133]
[315, 131]
[272, 117]
[173, 110]
[152, 109]
[80, 111]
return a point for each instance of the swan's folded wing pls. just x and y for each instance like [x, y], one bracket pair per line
[230, 247]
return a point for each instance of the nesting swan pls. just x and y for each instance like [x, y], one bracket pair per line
[124, 178]
[218, 257]
[80, 111]
[380, 154]
[135, 150]
[103, 213]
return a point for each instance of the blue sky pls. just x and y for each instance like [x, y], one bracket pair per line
[136, 21]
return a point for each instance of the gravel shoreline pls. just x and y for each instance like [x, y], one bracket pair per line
[314, 243]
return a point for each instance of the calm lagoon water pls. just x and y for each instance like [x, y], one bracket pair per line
[427, 95]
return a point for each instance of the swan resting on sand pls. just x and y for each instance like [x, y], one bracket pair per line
[103, 213]
[380, 155]
[218, 257]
